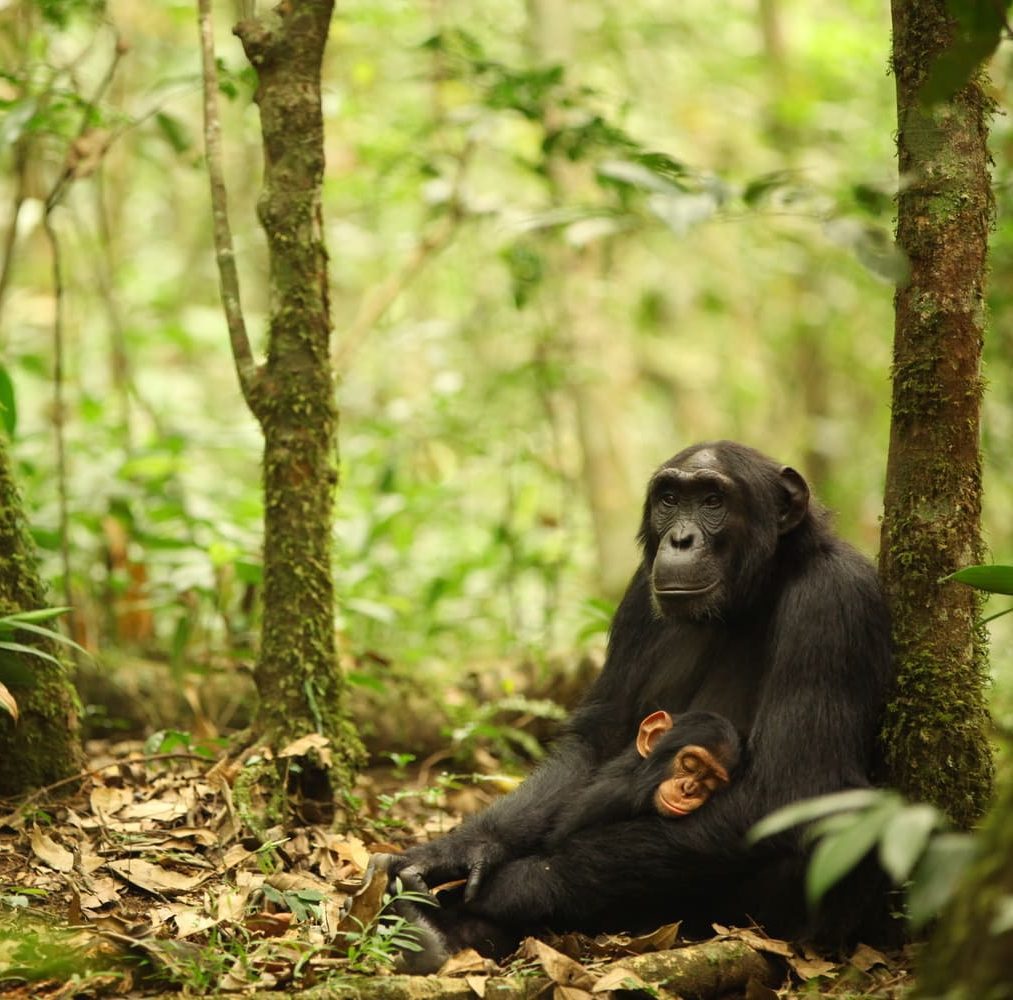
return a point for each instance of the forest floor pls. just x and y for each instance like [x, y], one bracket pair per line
[140, 881]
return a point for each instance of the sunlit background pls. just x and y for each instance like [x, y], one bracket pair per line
[567, 239]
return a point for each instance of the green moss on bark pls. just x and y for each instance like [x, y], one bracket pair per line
[43, 746]
[935, 733]
[300, 686]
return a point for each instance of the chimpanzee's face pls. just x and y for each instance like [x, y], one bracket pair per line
[692, 512]
[711, 530]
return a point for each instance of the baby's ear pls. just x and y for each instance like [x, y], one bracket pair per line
[651, 730]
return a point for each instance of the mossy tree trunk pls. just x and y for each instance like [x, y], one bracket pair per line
[43, 746]
[935, 733]
[292, 395]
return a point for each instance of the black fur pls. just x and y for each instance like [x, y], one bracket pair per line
[791, 644]
[624, 787]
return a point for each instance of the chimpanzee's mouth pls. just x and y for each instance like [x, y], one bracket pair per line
[686, 591]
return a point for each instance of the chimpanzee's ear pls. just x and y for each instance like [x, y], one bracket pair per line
[794, 500]
[651, 730]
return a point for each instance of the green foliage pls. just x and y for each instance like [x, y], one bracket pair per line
[377, 943]
[60, 12]
[912, 842]
[991, 579]
[15, 670]
[480, 726]
[981, 25]
[463, 533]
[167, 741]
[34, 951]
[8, 404]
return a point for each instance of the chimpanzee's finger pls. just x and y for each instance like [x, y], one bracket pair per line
[476, 872]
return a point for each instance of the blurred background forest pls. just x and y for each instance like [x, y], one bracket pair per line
[567, 240]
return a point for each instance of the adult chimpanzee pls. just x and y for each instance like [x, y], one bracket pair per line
[747, 605]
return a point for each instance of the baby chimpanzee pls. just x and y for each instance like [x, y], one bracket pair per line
[672, 769]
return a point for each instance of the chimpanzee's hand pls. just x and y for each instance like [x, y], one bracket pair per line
[447, 859]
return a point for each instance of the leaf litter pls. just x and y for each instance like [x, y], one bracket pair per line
[145, 878]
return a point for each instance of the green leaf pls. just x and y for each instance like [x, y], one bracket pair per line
[937, 875]
[981, 24]
[48, 633]
[17, 647]
[809, 809]
[38, 615]
[766, 184]
[839, 853]
[527, 269]
[905, 838]
[173, 131]
[8, 407]
[167, 741]
[994, 579]
[635, 175]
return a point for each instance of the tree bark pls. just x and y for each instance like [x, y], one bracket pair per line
[935, 738]
[43, 746]
[300, 686]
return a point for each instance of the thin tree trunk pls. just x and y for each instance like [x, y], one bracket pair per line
[43, 746]
[935, 731]
[300, 686]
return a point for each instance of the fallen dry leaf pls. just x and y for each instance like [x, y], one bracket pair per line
[364, 905]
[464, 962]
[297, 882]
[164, 810]
[560, 969]
[98, 892]
[268, 924]
[8, 703]
[154, 878]
[107, 801]
[477, 984]
[560, 992]
[618, 978]
[865, 958]
[755, 939]
[311, 741]
[611, 945]
[810, 965]
[50, 853]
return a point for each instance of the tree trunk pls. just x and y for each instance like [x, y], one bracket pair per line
[43, 746]
[300, 686]
[935, 730]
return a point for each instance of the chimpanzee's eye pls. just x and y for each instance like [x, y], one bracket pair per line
[668, 499]
[712, 500]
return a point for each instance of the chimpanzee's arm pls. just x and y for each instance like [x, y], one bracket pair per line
[620, 789]
[514, 825]
[520, 823]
